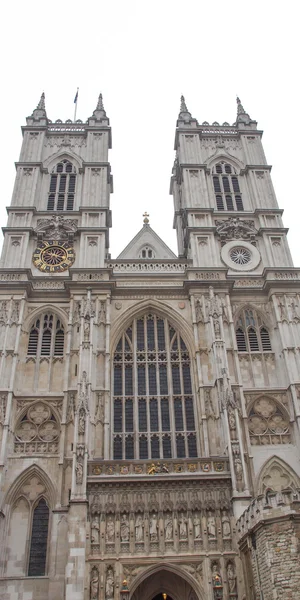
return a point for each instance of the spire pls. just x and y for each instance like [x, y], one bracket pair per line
[185, 115]
[183, 107]
[242, 116]
[39, 114]
[99, 114]
[41, 104]
[100, 103]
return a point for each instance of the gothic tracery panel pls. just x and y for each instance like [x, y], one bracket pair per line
[268, 424]
[153, 401]
[37, 432]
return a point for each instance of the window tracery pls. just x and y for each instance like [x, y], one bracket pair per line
[153, 401]
[39, 540]
[268, 424]
[62, 187]
[252, 335]
[46, 337]
[146, 252]
[37, 431]
[226, 187]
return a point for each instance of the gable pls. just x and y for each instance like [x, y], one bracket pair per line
[147, 245]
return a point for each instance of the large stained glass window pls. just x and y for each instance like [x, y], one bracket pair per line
[153, 406]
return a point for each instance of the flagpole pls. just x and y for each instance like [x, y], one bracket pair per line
[75, 110]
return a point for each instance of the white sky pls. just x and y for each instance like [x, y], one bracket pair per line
[143, 55]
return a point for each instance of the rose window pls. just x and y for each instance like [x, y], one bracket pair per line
[240, 255]
[267, 423]
[37, 431]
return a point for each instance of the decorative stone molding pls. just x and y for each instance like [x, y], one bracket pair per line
[56, 228]
[235, 228]
[240, 256]
[148, 267]
[150, 469]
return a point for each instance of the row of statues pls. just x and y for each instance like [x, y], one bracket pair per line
[182, 524]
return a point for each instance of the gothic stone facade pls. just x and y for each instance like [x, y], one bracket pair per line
[149, 405]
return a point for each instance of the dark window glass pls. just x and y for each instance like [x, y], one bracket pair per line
[60, 202]
[229, 203]
[140, 334]
[165, 414]
[217, 186]
[53, 182]
[129, 449]
[128, 381]
[154, 446]
[220, 203]
[141, 380]
[239, 203]
[33, 341]
[235, 184]
[50, 205]
[150, 334]
[265, 339]
[180, 446]
[129, 415]
[153, 415]
[176, 379]
[167, 452]
[69, 168]
[70, 202]
[117, 447]
[39, 539]
[228, 169]
[142, 415]
[46, 343]
[143, 443]
[187, 384]
[118, 415]
[253, 341]
[62, 183]
[240, 340]
[161, 334]
[152, 379]
[72, 181]
[59, 168]
[218, 168]
[163, 379]
[178, 414]
[192, 445]
[117, 380]
[226, 185]
[189, 414]
[59, 343]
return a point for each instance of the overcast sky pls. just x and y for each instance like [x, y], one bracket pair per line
[142, 56]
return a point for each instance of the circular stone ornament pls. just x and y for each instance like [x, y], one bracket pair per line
[240, 256]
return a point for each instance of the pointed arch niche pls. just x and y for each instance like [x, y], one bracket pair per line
[27, 506]
[172, 580]
[276, 475]
[153, 412]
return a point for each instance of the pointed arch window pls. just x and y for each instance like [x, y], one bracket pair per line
[62, 187]
[46, 337]
[39, 540]
[153, 405]
[226, 188]
[252, 335]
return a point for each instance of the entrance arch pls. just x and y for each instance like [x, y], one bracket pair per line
[171, 580]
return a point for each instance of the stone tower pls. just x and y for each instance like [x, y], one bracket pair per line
[149, 404]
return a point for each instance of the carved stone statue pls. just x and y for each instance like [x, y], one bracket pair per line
[79, 472]
[211, 525]
[95, 530]
[216, 576]
[81, 422]
[197, 527]
[226, 530]
[231, 578]
[124, 529]
[110, 530]
[94, 586]
[183, 527]
[109, 585]
[199, 312]
[153, 528]
[139, 524]
[168, 527]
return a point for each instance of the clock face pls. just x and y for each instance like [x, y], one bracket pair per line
[53, 256]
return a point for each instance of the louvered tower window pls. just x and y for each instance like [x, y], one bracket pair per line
[153, 406]
[226, 188]
[62, 187]
[251, 333]
[46, 337]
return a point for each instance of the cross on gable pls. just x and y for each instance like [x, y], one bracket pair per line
[34, 488]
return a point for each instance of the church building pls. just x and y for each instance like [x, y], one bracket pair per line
[150, 403]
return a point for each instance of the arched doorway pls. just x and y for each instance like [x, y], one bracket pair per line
[166, 583]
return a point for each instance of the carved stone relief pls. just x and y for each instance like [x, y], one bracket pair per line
[38, 431]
